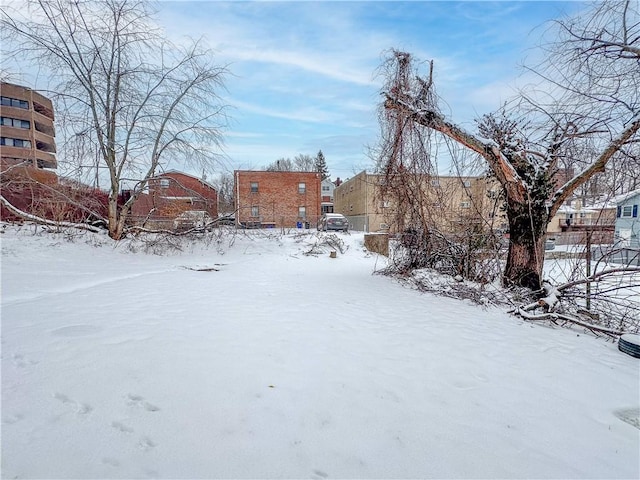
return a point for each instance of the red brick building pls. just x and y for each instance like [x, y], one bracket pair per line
[277, 199]
[170, 194]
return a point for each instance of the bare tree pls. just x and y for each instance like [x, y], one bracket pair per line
[130, 97]
[304, 163]
[300, 163]
[224, 185]
[591, 98]
[281, 165]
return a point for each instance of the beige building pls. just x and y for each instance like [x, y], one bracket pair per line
[449, 202]
[573, 221]
[27, 133]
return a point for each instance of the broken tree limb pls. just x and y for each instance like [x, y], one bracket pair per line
[504, 171]
[559, 316]
[43, 221]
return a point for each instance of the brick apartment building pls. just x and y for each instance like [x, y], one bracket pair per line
[170, 194]
[277, 199]
[27, 135]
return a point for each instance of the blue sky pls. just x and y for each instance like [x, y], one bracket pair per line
[304, 73]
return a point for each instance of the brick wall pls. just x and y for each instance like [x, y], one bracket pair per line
[277, 200]
[173, 193]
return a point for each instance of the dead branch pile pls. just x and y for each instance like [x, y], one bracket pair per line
[325, 244]
[474, 257]
[432, 281]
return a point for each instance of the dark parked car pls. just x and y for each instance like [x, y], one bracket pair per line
[333, 221]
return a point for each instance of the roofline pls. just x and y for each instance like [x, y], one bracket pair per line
[275, 171]
[204, 182]
[625, 196]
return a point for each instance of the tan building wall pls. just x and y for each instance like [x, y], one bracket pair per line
[26, 129]
[449, 202]
[356, 199]
[277, 199]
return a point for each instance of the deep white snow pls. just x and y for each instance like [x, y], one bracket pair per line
[271, 364]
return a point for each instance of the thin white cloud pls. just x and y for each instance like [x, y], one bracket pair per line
[326, 65]
[309, 115]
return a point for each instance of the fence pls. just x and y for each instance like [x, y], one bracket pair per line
[622, 256]
[358, 223]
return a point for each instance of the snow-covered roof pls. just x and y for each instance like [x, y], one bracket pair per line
[625, 196]
[568, 209]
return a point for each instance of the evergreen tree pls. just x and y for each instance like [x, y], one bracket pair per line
[321, 165]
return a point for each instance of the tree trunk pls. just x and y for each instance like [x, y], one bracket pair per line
[115, 226]
[527, 232]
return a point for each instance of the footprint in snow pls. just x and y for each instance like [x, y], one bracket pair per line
[146, 443]
[11, 419]
[81, 408]
[122, 427]
[137, 400]
[21, 361]
[111, 461]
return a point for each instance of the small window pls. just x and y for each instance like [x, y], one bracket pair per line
[302, 188]
[302, 212]
[467, 183]
[14, 102]
[465, 204]
[627, 211]
[435, 182]
[15, 142]
[325, 188]
[254, 187]
[14, 122]
[255, 211]
[164, 183]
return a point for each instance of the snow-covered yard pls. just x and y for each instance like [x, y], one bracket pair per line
[253, 360]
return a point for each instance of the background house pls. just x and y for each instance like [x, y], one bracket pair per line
[326, 202]
[574, 221]
[627, 226]
[171, 194]
[277, 199]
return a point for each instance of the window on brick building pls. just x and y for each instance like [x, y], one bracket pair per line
[14, 122]
[302, 212]
[15, 142]
[255, 211]
[254, 187]
[14, 102]
[164, 183]
[302, 188]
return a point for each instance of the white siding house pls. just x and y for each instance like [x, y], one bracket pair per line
[627, 230]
